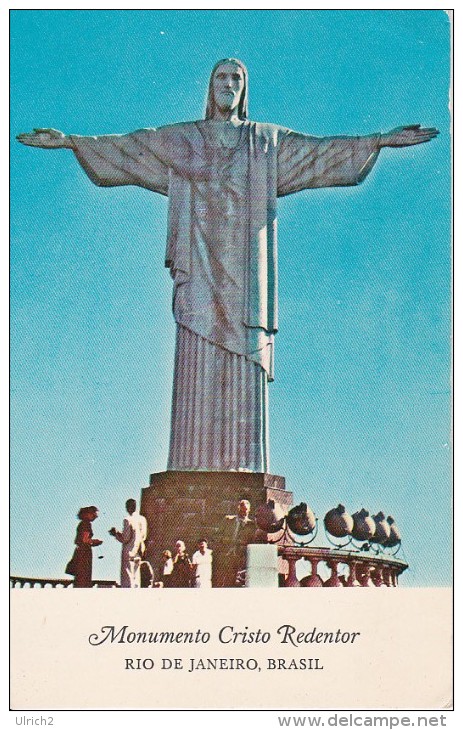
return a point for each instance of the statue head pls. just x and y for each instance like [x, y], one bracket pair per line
[233, 72]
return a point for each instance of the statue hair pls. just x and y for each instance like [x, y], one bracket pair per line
[243, 103]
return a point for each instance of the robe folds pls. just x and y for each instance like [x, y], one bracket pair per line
[222, 255]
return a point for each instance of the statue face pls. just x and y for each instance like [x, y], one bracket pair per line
[227, 86]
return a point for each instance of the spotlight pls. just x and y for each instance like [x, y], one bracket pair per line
[301, 520]
[364, 525]
[394, 538]
[338, 522]
[269, 517]
[383, 529]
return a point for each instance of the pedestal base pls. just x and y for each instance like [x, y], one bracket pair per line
[191, 505]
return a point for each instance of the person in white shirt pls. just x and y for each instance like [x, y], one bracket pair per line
[132, 537]
[166, 567]
[202, 565]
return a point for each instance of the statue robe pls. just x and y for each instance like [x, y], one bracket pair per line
[222, 255]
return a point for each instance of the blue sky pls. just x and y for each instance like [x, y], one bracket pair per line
[360, 406]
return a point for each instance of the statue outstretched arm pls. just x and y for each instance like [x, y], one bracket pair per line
[136, 158]
[318, 162]
[49, 139]
[321, 162]
[407, 136]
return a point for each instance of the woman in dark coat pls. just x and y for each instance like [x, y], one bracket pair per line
[82, 559]
[181, 573]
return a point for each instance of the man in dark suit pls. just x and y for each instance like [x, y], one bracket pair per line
[236, 533]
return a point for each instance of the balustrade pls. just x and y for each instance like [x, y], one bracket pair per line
[22, 582]
[365, 570]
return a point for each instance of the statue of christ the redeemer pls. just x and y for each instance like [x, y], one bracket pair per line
[223, 175]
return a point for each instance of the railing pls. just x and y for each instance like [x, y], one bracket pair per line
[364, 570]
[21, 582]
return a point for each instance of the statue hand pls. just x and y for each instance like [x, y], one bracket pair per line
[406, 136]
[47, 138]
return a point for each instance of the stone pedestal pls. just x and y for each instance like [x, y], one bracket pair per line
[262, 566]
[190, 505]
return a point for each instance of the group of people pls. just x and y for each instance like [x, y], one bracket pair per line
[179, 571]
[176, 570]
[133, 539]
[237, 531]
